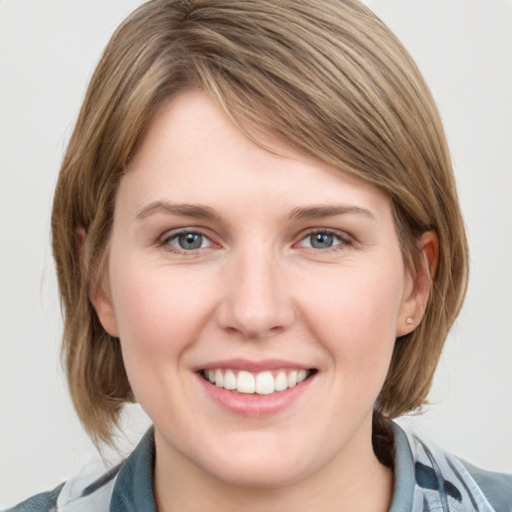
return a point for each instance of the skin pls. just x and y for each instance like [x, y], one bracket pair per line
[256, 289]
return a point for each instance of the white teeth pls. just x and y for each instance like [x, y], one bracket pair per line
[265, 383]
[219, 378]
[245, 382]
[262, 383]
[229, 380]
[281, 381]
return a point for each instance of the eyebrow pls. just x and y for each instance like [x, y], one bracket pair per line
[205, 212]
[186, 210]
[315, 212]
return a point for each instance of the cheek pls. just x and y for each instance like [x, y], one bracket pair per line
[158, 311]
[159, 318]
[355, 314]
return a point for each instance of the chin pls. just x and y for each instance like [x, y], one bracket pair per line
[262, 473]
[264, 462]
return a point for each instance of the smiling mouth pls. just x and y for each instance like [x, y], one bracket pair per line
[261, 383]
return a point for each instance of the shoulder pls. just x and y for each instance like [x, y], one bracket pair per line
[497, 487]
[426, 474]
[90, 489]
[43, 502]
[127, 486]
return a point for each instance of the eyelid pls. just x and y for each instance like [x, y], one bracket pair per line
[345, 238]
[164, 239]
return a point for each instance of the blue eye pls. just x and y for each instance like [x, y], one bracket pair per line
[187, 241]
[322, 240]
[190, 241]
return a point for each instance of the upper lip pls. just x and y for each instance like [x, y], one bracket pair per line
[253, 366]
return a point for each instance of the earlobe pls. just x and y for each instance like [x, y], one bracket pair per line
[417, 293]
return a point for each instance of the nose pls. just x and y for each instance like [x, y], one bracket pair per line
[257, 301]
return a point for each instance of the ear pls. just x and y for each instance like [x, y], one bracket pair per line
[100, 298]
[418, 285]
[99, 293]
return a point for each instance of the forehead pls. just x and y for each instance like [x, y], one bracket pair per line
[192, 153]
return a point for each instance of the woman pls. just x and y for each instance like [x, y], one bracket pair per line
[258, 239]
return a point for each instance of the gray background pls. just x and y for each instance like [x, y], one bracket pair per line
[47, 53]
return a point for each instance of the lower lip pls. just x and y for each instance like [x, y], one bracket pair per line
[255, 405]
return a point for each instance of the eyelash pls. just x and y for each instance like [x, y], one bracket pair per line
[168, 237]
[342, 238]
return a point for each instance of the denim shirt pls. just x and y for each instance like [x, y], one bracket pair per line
[426, 480]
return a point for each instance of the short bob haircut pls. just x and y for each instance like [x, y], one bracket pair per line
[324, 76]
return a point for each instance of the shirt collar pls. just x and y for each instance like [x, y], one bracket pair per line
[133, 490]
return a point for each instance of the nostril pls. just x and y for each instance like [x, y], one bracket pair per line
[254, 305]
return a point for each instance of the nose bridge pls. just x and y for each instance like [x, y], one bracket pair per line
[256, 301]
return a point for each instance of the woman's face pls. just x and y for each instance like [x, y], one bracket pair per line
[232, 269]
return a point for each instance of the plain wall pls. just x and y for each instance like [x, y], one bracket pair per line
[47, 54]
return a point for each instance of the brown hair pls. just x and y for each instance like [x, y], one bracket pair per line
[326, 76]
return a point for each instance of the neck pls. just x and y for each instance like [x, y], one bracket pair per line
[352, 481]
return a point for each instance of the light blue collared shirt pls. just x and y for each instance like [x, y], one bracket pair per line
[426, 480]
